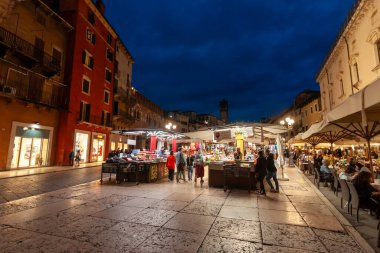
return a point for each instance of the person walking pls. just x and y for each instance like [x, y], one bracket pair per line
[190, 166]
[261, 171]
[181, 164]
[71, 158]
[77, 158]
[170, 164]
[272, 172]
[199, 167]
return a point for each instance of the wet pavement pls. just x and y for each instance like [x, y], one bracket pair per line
[13, 188]
[171, 217]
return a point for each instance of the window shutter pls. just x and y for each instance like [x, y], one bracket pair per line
[91, 63]
[81, 111]
[108, 122]
[83, 57]
[88, 109]
[102, 120]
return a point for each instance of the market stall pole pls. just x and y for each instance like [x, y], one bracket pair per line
[174, 145]
[280, 158]
[153, 140]
[240, 143]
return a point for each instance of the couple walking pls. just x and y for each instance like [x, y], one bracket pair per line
[265, 168]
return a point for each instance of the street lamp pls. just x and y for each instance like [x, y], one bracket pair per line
[170, 126]
[288, 122]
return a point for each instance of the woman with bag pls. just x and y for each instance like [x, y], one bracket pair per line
[199, 167]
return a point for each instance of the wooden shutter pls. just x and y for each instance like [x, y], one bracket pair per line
[88, 109]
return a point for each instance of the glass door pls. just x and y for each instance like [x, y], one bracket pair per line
[94, 154]
[16, 152]
[25, 152]
[36, 156]
[100, 150]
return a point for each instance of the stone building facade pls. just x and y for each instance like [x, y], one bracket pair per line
[354, 59]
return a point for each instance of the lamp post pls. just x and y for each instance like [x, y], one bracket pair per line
[288, 122]
[171, 126]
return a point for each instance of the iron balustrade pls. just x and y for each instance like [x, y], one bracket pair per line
[94, 119]
[12, 41]
[49, 93]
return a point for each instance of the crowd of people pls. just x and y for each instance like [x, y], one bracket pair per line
[184, 160]
[353, 169]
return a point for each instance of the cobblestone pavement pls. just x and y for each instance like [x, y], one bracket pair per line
[21, 187]
[171, 217]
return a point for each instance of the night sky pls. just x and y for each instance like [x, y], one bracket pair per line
[256, 54]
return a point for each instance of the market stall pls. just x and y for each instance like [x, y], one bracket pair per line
[141, 165]
[225, 168]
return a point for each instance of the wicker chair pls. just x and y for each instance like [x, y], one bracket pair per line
[317, 177]
[355, 201]
[336, 185]
[345, 194]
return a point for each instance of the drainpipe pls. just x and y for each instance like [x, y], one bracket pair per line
[349, 67]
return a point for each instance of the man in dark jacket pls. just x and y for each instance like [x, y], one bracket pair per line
[261, 171]
[272, 172]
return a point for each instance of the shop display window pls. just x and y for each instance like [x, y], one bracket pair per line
[81, 144]
[31, 147]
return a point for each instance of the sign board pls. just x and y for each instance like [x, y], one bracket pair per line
[222, 135]
[131, 142]
[246, 131]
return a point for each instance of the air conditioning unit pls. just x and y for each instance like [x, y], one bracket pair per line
[7, 89]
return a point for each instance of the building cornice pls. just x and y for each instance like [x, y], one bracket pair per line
[101, 17]
[351, 24]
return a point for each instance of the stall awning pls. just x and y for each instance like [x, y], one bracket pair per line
[164, 134]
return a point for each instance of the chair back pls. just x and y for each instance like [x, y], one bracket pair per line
[336, 181]
[317, 174]
[345, 190]
[354, 195]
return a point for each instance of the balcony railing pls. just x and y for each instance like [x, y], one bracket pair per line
[34, 90]
[45, 63]
[94, 119]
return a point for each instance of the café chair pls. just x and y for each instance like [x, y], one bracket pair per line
[317, 177]
[355, 201]
[345, 194]
[336, 184]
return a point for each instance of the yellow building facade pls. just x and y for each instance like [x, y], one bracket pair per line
[354, 61]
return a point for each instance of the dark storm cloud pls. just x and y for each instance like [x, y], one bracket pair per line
[256, 54]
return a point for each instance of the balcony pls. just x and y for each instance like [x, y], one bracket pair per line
[94, 120]
[124, 116]
[23, 53]
[31, 88]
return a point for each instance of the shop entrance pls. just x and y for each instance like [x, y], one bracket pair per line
[30, 147]
[97, 153]
[81, 144]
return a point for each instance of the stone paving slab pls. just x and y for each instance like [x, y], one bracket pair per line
[221, 244]
[171, 217]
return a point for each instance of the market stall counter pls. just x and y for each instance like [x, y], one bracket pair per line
[135, 171]
[232, 174]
